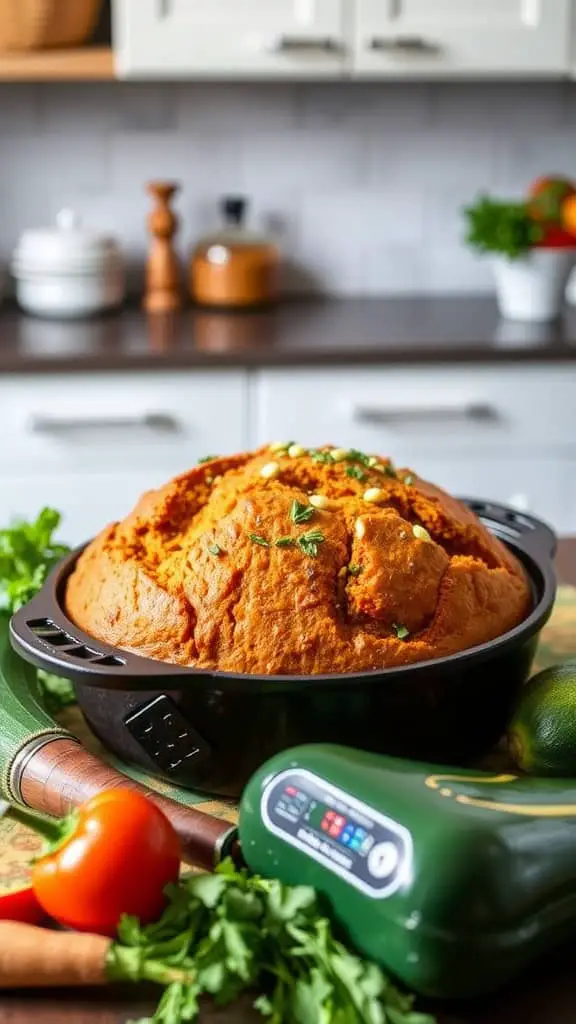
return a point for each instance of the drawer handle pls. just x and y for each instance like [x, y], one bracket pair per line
[159, 422]
[305, 44]
[412, 45]
[479, 412]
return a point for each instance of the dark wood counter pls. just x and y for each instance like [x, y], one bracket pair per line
[547, 995]
[329, 332]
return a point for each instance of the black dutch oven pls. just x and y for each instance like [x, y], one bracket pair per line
[210, 730]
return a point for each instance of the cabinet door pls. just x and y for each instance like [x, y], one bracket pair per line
[96, 423]
[539, 486]
[500, 434]
[505, 411]
[87, 501]
[492, 37]
[178, 38]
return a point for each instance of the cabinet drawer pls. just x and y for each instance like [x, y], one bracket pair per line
[539, 486]
[505, 410]
[446, 37]
[88, 502]
[104, 422]
[280, 38]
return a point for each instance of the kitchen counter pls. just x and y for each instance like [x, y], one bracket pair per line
[300, 333]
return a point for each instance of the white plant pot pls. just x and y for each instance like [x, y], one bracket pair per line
[533, 287]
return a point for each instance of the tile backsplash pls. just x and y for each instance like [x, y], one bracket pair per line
[361, 183]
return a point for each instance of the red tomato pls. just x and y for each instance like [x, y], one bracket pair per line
[21, 905]
[556, 238]
[117, 856]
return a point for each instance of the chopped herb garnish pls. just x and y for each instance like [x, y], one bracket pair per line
[308, 542]
[319, 456]
[355, 456]
[207, 458]
[257, 539]
[409, 479]
[214, 549]
[284, 542]
[354, 570]
[355, 472]
[390, 471]
[401, 631]
[300, 513]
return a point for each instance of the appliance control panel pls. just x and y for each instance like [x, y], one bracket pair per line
[366, 848]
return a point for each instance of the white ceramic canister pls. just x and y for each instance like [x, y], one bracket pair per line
[532, 288]
[67, 271]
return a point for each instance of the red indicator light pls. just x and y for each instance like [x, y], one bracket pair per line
[335, 830]
[291, 791]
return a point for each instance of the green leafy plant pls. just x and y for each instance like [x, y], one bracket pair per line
[496, 226]
[28, 552]
[232, 932]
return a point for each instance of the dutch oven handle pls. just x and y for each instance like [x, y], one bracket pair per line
[508, 524]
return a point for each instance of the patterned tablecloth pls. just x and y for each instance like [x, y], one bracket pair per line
[18, 845]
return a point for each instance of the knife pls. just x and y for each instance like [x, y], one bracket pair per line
[44, 767]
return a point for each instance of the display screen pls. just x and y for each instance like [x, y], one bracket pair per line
[338, 827]
[369, 850]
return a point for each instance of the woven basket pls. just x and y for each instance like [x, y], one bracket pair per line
[42, 24]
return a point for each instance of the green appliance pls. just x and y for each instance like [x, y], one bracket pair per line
[452, 879]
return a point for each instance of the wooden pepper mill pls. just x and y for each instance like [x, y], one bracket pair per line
[163, 288]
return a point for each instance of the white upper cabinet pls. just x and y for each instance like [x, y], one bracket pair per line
[231, 38]
[411, 38]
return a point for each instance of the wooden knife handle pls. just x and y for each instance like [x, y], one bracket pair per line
[61, 775]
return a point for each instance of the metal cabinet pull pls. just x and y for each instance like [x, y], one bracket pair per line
[416, 45]
[305, 44]
[474, 413]
[159, 422]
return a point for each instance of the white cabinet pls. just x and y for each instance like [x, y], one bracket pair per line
[87, 501]
[114, 422]
[224, 38]
[506, 434]
[509, 410]
[536, 485]
[335, 38]
[476, 37]
[90, 444]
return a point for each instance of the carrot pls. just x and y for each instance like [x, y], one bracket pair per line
[32, 957]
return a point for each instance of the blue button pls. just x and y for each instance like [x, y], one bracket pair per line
[360, 834]
[355, 844]
[345, 838]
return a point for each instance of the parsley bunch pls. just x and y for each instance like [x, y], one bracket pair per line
[502, 227]
[231, 932]
[28, 552]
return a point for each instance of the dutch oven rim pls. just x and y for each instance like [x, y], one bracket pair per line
[531, 540]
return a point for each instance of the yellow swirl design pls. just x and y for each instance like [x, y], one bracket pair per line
[548, 810]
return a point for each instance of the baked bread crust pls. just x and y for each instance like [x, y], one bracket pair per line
[380, 569]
